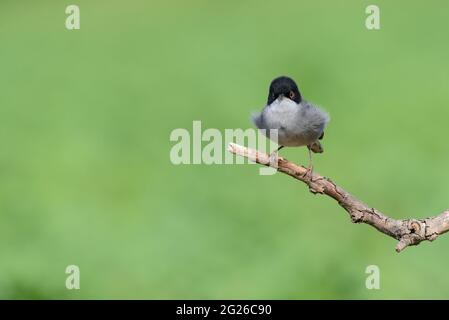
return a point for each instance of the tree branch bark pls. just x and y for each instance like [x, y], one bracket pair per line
[409, 232]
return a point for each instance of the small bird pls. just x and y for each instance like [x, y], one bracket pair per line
[299, 123]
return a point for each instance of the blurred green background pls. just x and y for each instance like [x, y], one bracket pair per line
[85, 174]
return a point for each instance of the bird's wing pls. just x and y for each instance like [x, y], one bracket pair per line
[317, 119]
[257, 119]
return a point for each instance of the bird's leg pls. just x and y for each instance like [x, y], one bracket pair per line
[310, 167]
[274, 156]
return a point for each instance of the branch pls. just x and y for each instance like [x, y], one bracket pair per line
[409, 232]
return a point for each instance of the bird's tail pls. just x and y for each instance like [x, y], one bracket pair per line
[316, 147]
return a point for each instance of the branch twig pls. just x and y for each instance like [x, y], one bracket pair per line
[409, 232]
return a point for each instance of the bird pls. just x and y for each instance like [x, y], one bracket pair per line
[298, 122]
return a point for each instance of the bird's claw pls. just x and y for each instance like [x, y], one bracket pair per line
[309, 174]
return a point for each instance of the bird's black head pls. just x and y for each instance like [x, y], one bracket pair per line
[284, 86]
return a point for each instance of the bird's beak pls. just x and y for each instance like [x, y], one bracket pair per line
[281, 96]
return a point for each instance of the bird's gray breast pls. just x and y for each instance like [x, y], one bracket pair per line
[297, 124]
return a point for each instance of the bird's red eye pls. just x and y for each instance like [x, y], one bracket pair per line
[291, 95]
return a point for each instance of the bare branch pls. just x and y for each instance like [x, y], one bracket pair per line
[409, 232]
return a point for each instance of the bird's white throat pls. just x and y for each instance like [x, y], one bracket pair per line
[282, 107]
[283, 104]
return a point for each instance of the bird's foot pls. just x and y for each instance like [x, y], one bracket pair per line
[308, 175]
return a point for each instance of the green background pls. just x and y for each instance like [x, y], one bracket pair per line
[85, 173]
